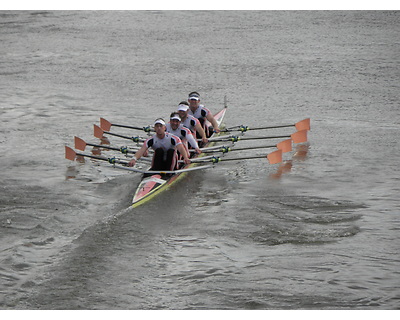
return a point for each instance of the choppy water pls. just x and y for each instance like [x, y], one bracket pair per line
[320, 233]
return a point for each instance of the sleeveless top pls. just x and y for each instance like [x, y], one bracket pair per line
[170, 141]
[184, 134]
[190, 123]
[201, 112]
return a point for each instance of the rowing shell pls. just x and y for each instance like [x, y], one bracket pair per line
[152, 185]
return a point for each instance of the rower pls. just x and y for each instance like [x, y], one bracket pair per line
[202, 113]
[164, 145]
[190, 122]
[175, 127]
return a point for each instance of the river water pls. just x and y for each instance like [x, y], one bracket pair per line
[319, 232]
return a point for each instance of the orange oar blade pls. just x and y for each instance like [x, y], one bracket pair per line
[80, 144]
[105, 124]
[70, 154]
[285, 146]
[303, 125]
[275, 157]
[98, 132]
[299, 136]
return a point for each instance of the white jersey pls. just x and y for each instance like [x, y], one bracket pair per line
[200, 112]
[169, 141]
[184, 134]
[190, 122]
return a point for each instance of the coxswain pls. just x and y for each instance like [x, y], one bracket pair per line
[176, 128]
[164, 145]
[202, 113]
[190, 122]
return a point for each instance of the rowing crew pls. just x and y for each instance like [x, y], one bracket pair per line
[185, 125]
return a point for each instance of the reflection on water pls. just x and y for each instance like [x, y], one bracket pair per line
[299, 154]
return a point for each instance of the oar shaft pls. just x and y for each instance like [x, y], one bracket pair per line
[273, 127]
[270, 137]
[106, 126]
[71, 154]
[124, 150]
[246, 128]
[108, 147]
[225, 149]
[98, 132]
[301, 125]
[145, 129]
[234, 138]
[242, 158]
[117, 135]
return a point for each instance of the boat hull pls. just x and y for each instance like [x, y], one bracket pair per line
[151, 186]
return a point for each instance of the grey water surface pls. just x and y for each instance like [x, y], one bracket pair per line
[320, 231]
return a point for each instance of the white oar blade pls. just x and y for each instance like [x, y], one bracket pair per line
[275, 157]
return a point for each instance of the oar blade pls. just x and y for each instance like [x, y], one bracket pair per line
[275, 157]
[105, 124]
[285, 146]
[80, 144]
[299, 136]
[98, 132]
[70, 154]
[303, 125]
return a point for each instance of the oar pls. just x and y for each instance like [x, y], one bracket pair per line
[80, 144]
[210, 149]
[285, 146]
[71, 154]
[236, 138]
[301, 125]
[273, 157]
[106, 126]
[297, 137]
[99, 132]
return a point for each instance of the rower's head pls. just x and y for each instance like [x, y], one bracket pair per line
[159, 125]
[183, 108]
[174, 120]
[194, 99]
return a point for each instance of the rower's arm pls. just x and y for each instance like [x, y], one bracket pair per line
[138, 155]
[214, 123]
[183, 152]
[201, 131]
[191, 139]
